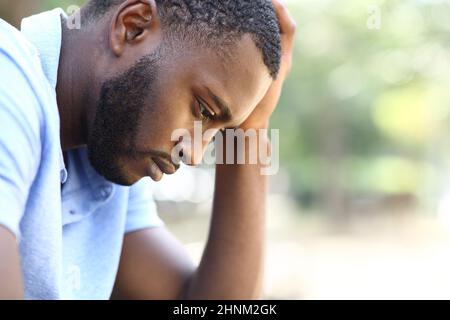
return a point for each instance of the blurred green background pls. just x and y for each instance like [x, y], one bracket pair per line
[361, 206]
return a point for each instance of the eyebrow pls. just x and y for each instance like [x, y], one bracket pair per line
[225, 111]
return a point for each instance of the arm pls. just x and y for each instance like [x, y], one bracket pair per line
[10, 277]
[153, 263]
[20, 151]
[233, 262]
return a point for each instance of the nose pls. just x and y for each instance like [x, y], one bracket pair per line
[191, 155]
[190, 151]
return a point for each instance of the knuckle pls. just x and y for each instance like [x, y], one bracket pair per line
[292, 27]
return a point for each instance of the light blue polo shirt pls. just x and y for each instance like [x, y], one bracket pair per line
[69, 222]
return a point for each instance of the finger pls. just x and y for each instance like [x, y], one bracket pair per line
[287, 23]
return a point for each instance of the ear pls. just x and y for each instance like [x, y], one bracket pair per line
[131, 23]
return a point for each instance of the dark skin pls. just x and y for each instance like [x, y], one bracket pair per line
[154, 265]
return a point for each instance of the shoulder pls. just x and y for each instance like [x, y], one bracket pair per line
[24, 89]
[17, 51]
[14, 45]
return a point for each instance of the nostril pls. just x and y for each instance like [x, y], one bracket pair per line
[181, 154]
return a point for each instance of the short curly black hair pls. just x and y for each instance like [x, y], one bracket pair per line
[215, 22]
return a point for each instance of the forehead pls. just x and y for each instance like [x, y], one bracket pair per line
[239, 77]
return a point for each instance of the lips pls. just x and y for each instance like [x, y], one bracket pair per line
[164, 165]
[154, 172]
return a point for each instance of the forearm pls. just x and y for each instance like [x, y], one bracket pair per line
[10, 276]
[233, 261]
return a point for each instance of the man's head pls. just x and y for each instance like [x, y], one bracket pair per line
[163, 64]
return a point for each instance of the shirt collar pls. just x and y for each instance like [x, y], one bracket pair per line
[44, 32]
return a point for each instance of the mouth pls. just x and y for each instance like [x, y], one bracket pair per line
[165, 166]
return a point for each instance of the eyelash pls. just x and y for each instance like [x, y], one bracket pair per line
[208, 116]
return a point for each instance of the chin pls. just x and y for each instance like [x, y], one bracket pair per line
[126, 178]
[122, 180]
[118, 175]
[156, 179]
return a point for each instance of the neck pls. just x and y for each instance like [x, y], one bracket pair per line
[74, 78]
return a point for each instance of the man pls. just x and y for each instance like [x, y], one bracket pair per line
[86, 114]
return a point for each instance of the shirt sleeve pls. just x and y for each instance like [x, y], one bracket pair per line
[142, 212]
[20, 142]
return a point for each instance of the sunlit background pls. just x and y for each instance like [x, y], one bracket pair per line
[361, 205]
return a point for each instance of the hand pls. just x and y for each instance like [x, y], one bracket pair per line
[260, 117]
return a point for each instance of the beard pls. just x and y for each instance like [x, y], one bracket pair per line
[116, 123]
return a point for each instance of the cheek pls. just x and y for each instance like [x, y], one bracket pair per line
[160, 121]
